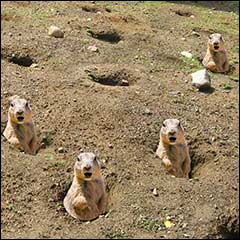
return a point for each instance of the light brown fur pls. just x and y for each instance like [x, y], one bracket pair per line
[174, 154]
[86, 199]
[21, 133]
[216, 60]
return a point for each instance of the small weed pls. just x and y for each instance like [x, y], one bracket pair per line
[48, 156]
[59, 164]
[190, 64]
[11, 207]
[235, 79]
[152, 225]
[227, 86]
[116, 234]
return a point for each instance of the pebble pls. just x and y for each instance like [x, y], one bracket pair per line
[125, 82]
[61, 150]
[93, 48]
[183, 38]
[55, 32]
[155, 192]
[186, 54]
[147, 112]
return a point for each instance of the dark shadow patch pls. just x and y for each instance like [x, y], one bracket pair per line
[25, 61]
[208, 90]
[111, 36]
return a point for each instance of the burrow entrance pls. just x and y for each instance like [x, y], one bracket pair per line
[20, 59]
[182, 13]
[111, 36]
[111, 77]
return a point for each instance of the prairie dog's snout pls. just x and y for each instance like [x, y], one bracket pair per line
[87, 166]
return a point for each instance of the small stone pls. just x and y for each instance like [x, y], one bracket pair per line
[34, 65]
[183, 38]
[155, 192]
[89, 19]
[55, 32]
[192, 16]
[193, 33]
[125, 82]
[201, 79]
[93, 48]
[186, 54]
[61, 150]
[110, 145]
[147, 112]
[74, 100]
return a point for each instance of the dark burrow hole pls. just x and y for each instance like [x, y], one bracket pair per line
[25, 61]
[118, 78]
[109, 36]
[183, 13]
[94, 9]
[230, 235]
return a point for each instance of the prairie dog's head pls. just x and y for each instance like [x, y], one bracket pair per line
[19, 110]
[172, 132]
[87, 166]
[216, 42]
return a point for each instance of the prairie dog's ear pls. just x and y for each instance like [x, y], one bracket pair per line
[10, 99]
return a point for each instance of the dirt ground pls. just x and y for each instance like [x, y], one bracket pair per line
[79, 104]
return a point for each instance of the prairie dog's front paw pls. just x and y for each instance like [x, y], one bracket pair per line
[80, 203]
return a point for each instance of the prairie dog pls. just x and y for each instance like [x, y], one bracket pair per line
[173, 149]
[216, 57]
[86, 198]
[20, 130]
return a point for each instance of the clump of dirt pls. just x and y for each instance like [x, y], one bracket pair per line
[112, 76]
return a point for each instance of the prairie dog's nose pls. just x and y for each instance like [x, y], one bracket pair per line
[172, 131]
[19, 112]
[87, 167]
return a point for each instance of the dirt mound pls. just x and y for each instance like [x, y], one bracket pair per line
[112, 75]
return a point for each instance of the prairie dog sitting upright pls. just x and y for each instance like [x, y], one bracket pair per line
[20, 130]
[86, 199]
[173, 149]
[215, 59]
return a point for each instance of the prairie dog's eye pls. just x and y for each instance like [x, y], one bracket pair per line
[95, 159]
[12, 105]
[78, 159]
[26, 105]
[164, 125]
[179, 124]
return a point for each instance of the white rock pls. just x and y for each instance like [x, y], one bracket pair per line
[201, 79]
[186, 54]
[93, 48]
[55, 32]
[155, 192]
[183, 38]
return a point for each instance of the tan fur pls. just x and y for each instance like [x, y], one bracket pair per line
[216, 59]
[86, 199]
[174, 155]
[21, 133]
